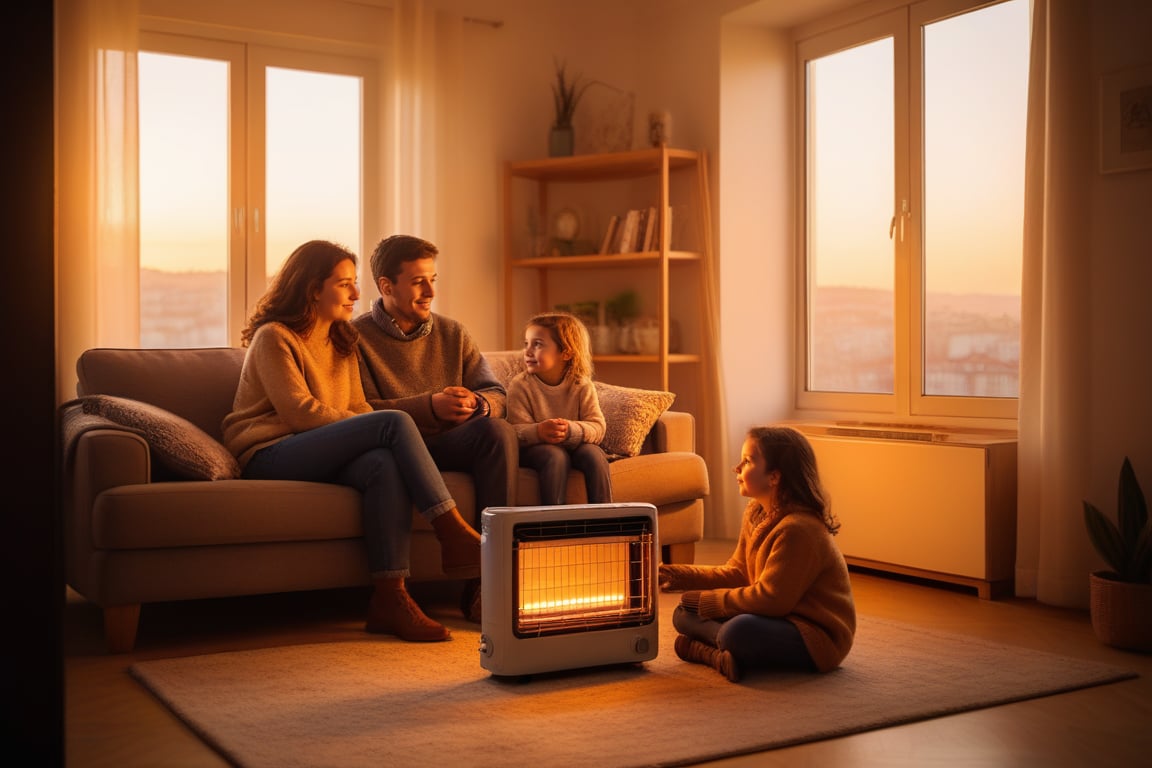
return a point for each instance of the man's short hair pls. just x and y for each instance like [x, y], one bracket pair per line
[392, 252]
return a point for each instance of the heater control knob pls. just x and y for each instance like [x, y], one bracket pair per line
[485, 646]
[641, 645]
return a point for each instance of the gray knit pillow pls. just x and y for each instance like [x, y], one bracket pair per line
[175, 442]
[630, 415]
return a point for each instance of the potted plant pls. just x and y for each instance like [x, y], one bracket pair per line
[1121, 598]
[565, 97]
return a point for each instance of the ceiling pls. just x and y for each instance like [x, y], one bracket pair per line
[784, 14]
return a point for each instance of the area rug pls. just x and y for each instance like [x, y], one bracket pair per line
[381, 702]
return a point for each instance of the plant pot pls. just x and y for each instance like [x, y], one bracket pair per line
[561, 142]
[1121, 612]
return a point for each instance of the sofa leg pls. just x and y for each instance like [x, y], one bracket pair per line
[680, 553]
[120, 623]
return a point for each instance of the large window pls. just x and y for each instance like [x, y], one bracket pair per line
[246, 151]
[913, 140]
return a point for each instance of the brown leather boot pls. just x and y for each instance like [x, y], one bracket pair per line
[702, 653]
[392, 611]
[459, 542]
[470, 601]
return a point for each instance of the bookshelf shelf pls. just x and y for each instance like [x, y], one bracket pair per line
[664, 185]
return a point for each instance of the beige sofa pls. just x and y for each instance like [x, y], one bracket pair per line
[154, 512]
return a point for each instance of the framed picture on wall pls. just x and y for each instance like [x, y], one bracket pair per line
[1126, 120]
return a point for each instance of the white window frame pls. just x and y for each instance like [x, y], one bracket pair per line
[907, 403]
[248, 54]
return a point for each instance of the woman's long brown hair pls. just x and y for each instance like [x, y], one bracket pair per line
[288, 299]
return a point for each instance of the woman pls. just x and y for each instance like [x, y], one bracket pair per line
[783, 600]
[300, 414]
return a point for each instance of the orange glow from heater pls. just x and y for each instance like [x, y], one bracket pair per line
[562, 580]
[581, 603]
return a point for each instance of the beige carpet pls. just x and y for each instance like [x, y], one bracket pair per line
[381, 702]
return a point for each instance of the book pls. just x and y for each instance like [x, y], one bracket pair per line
[651, 228]
[641, 228]
[609, 234]
[626, 243]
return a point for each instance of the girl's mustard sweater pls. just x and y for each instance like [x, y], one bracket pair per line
[787, 566]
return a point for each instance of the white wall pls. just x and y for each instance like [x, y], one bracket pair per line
[504, 113]
[1120, 256]
[756, 225]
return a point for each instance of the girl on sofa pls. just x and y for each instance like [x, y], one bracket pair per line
[783, 600]
[300, 414]
[554, 409]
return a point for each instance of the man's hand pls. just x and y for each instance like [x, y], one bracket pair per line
[454, 405]
[553, 431]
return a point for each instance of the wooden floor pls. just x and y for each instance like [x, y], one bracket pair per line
[111, 721]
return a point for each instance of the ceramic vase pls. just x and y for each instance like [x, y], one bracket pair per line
[561, 141]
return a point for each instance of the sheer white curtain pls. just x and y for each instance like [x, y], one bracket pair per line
[96, 151]
[426, 68]
[1052, 558]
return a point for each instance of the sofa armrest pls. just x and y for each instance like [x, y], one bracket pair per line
[673, 431]
[107, 458]
[100, 459]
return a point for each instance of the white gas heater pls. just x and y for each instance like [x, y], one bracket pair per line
[567, 587]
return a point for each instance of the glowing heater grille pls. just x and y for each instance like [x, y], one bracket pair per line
[568, 586]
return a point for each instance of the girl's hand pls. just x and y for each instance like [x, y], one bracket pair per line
[690, 601]
[667, 579]
[552, 430]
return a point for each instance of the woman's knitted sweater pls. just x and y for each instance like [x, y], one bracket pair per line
[290, 384]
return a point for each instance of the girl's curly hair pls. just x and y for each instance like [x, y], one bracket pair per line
[570, 334]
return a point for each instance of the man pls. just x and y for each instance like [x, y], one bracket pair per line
[428, 365]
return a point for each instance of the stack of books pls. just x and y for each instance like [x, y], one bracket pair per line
[637, 231]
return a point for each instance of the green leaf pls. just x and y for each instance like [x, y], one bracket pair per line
[1141, 560]
[1105, 537]
[1131, 508]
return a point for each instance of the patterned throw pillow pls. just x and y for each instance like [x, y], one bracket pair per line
[177, 443]
[630, 414]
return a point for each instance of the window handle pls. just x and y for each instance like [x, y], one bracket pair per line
[903, 216]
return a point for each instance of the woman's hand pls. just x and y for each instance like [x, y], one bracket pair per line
[667, 579]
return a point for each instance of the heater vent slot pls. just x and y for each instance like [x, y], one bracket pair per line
[582, 575]
[578, 529]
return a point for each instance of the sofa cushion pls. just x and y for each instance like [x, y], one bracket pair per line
[197, 384]
[629, 414]
[176, 443]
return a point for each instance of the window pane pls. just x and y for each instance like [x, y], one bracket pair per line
[313, 161]
[183, 201]
[850, 193]
[976, 94]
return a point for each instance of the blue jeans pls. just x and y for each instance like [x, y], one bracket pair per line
[380, 454]
[485, 448]
[553, 462]
[756, 642]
